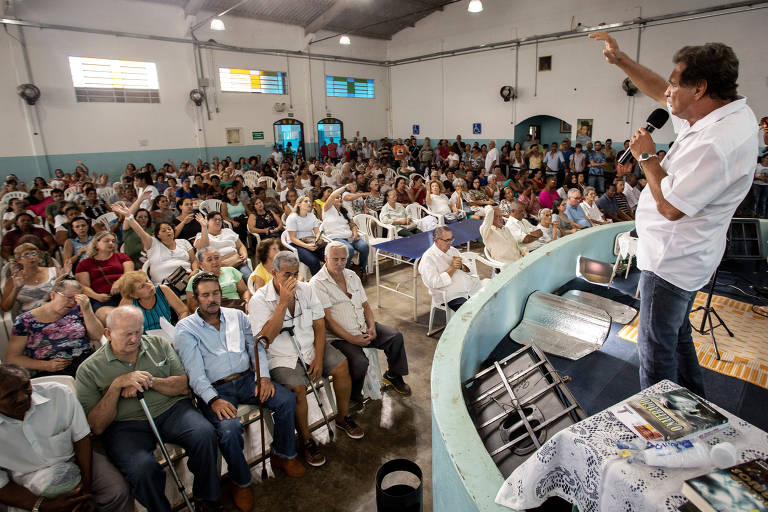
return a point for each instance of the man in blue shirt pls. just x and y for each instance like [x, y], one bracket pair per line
[596, 164]
[574, 211]
[609, 205]
[216, 346]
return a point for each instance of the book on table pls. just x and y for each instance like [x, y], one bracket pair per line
[668, 416]
[740, 488]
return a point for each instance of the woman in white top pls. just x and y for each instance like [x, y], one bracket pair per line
[338, 226]
[165, 252]
[460, 198]
[304, 230]
[591, 211]
[394, 213]
[437, 202]
[28, 285]
[225, 241]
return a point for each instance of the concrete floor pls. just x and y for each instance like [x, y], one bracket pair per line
[395, 427]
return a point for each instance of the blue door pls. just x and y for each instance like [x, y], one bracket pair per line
[289, 131]
[329, 128]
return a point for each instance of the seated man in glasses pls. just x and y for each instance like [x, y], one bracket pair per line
[443, 272]
[290, 316]
[216, 346]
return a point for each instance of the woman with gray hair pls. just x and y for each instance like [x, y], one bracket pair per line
[55, 338]
[234, 292]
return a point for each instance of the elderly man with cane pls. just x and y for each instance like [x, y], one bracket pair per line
[288, 313]
[107, 385]
[216, 346]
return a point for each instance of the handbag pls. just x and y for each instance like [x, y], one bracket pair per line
[319, 242]
[178, 279]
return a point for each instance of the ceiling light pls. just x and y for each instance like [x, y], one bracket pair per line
[344, 40]
[218, 24]
[475, 6]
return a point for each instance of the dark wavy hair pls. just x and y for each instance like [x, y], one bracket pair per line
[713, 63]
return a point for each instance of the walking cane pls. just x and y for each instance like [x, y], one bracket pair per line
[180, 485]
[261, 411]
[304, 365]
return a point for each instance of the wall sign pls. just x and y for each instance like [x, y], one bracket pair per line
[257, 135]
[477, 128]
[415, 129]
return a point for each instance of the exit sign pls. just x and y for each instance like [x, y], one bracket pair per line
[257, 135]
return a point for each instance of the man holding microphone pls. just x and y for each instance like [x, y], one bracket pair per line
[685, 210]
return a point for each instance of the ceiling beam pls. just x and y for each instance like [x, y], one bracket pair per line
[324, 19]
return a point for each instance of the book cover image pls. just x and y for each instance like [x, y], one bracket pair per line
[741, 488]
[669, 416]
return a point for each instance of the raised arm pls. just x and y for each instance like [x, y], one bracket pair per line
[646, 80]
[332, 198]
[130, 221]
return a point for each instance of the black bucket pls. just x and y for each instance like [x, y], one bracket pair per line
[399, 497]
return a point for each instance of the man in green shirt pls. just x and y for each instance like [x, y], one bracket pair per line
[106, 385]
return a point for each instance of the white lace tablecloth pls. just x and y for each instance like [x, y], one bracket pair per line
[581, 465]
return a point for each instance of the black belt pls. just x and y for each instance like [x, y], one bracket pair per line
[230, 378]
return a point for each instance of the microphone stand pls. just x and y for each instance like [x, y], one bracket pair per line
[709, 310]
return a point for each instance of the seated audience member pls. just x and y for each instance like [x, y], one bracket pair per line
[15, 207]
[352, 199]
[63, 223]
[549, 230]
[574, 211]
[52, 209]
[80, 235]
[501, 245]
[549, 193]
[304, 234]
[609, 205]
[508, 197]
[223, 240]
[186, 225]
[132, 244]
[106, 385]
[186, 192]
[234, 292]
[394, 213]
[217, 348]
[265, 223]
[234, 211]
[46, 457]
[375, 199]
[165, 253]
[526, 234]
[437, 202]
[418, 189]
[54, 338]
[625, 212]
[265, 253]
[403, 191]
[154, 301]
[99, 271]
[24, 226]
[530, 201]
[349, 317]
[94, 206]
[477, 197]
[560, 219]
[337, 225]
[37, 202]
[284, 309]
[161, 210]
[443, 272]
[28, 284]
[290, 202]
[591, 211]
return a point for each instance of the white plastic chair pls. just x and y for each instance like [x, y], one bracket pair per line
[470, 259]
[269, 181]
[423, 211]
[106, 195]
[370, 230]
[46, 192]
[70, 194]
[6, 200]
[210, 205]
[494, 263]
[440, 303]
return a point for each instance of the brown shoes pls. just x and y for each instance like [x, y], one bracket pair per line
[291, 467]
[243, 498]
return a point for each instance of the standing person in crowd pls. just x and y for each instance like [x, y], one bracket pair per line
[492, 158]
[55, 337]
[535, 157]
[46, 433]
[99, 271]
[552, 160]
[610, 162]
[578, 160]
[716, 146]
[283, 309]
[225, 241]
[597, 163]
[106, 386]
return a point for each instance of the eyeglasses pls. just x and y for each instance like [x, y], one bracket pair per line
[447, 240]
[68, 297]
[29, 254]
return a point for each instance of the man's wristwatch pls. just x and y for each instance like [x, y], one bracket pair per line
[646, 156]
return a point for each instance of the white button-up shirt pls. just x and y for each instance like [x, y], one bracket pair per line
[632, 195]
[709, 171]
[433, 266]
[519, 230]
[502, 246]
[346, 311]
[45, 436]
[282, 352]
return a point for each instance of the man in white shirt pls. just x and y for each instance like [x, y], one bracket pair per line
[442, 271]
[290, 184]
[631, 190]
[691, 195]
[349, 317]
[501, 244]
[523, 231]
[492, 158]
[277, 155]
[286, 308]
[44, 430]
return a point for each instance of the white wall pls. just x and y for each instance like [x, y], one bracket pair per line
[447, 95]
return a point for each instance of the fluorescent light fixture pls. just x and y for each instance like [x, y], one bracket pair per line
[344, 40]
[475, 6]
[217, 24]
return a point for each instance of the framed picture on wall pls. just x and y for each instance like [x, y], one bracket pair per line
[565, 127]
[584, 129]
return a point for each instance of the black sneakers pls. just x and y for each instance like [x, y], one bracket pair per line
[397, 382]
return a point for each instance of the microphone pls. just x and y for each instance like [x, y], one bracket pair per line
[657, 119]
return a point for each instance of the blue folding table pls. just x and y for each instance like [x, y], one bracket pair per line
[409, 250]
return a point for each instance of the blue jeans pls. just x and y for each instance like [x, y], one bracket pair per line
[246, 271]
[359, 245]
[593, 180]
[760, 192]
[312, 259]
[130, 446]
[664, 341]
[230, 431]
